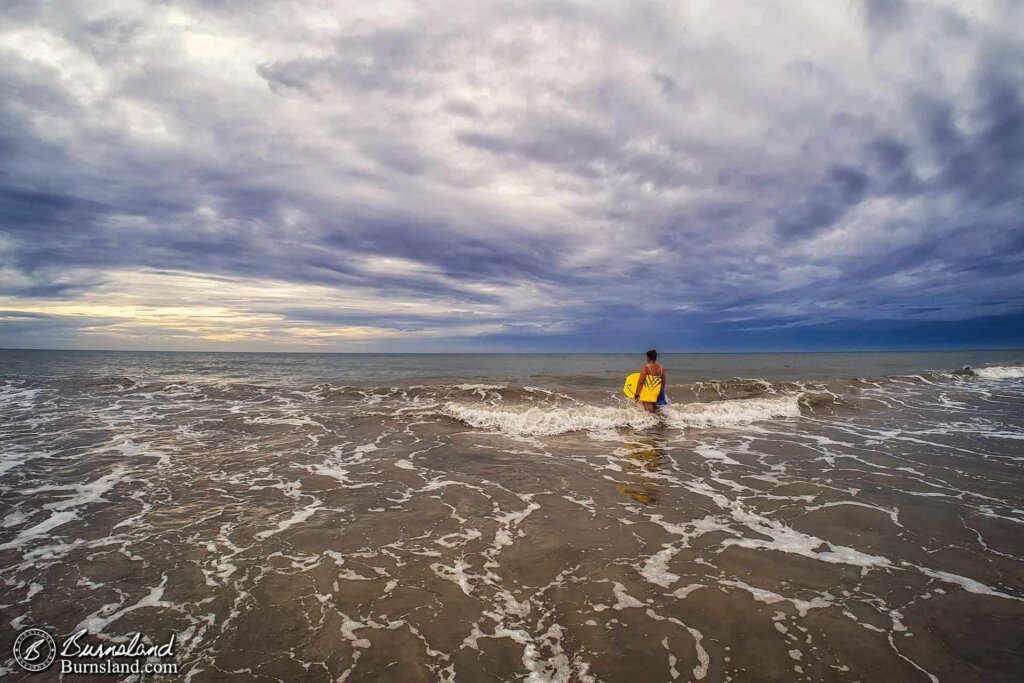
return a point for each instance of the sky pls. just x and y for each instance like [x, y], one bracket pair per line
[522, 176]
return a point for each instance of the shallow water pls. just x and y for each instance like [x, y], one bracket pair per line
[299, 517]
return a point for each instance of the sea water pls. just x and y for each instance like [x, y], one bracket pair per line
[501, 517]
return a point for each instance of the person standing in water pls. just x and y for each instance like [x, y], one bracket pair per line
[652, 369]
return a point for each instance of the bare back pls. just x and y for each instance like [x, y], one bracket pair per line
[654, 369]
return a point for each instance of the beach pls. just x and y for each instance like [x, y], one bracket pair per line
[334, 517]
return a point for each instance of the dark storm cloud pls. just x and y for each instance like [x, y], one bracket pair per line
[27, 210]
[842, 188]
[510, 171]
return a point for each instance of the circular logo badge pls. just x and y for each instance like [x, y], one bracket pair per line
[34, 649]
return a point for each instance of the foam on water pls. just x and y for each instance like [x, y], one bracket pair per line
[550, 421]
[731, 413]
[1000, 372]
[395, 530]
[480, 387]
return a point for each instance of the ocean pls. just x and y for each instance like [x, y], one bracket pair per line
[350, 517]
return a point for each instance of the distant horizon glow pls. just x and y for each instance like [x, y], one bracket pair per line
[549, 177]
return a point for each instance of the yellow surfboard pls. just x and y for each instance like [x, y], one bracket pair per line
[649, 392]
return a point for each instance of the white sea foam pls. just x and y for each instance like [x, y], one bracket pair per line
[701, 670]
[655, 569]
[681, 593]
[733, 413]
[969, 585]
[553, 669]
[789, 540]
[538, 421]
[712, 453]
[770, 598]
[456, 574]
[8, 461]
[1001, 372]
[101, 618]
[297, 517]
[624, 599]
[548, 422]
[52, 522]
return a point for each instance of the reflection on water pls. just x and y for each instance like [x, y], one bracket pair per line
[641, 457]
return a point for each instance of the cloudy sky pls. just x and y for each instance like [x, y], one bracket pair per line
[423, 176]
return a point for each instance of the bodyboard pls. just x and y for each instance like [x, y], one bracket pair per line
[649, 393]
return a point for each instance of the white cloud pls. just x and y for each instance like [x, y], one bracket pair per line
[540, 163]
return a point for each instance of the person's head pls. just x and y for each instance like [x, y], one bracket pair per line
[652, 355]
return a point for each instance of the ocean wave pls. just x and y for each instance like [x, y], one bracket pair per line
[694, 403]
[1000, 372]
[731, 413]
[102, 383]
[539, 421]
[536, 421]
[20, 394]
[479, 387]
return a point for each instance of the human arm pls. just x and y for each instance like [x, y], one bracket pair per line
[640, 383]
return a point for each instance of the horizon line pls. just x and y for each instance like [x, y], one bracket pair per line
[528, 353]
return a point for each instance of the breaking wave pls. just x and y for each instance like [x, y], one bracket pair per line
[546, 421]
[517, 409]
[734, 413]
[1000, 372]
[549, 421]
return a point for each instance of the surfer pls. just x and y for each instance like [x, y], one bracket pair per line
[654, 369]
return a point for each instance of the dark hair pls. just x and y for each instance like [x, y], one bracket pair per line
[652, 355]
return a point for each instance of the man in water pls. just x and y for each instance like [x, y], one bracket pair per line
[653, 369]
